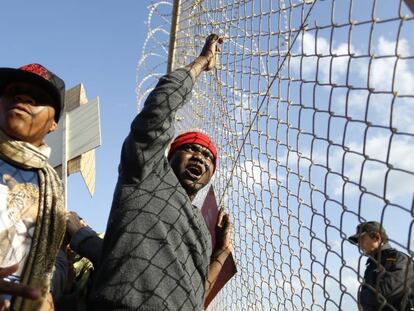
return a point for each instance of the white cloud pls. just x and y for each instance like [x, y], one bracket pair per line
[382, 69]
[352, 284]
[240, 107]
[332, 62]
[400, 154]
[250, 172]
[255, 174]
[374, 173]
[310, 47]
[358, 99]
[403, 115]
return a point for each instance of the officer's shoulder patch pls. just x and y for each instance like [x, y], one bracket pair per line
[390, 259]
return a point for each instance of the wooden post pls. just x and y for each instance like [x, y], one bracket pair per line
[65, 158]
[173, 32]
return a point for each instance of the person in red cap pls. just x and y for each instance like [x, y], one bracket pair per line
[188, 155]
[157, 252]
[32, 215]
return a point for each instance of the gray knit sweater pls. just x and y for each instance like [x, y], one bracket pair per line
[157, 246]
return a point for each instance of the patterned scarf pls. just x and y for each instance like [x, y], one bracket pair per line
[51, 220]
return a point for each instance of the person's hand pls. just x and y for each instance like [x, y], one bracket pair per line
[224, 240]
[210, 50]
[14, 289]
[74, 223]
[222, 249]
[207, 58]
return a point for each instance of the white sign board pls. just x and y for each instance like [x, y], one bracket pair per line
[83, 130]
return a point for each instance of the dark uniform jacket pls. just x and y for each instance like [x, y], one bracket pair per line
[388, 281]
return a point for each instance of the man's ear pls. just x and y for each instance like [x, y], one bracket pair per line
[53, 127]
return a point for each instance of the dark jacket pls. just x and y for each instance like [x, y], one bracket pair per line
[388, 281]
[60, 275]
[87, 244]
[157, 246]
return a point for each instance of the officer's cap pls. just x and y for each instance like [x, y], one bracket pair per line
[367, 227]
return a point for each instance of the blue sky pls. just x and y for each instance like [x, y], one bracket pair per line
[97, 43]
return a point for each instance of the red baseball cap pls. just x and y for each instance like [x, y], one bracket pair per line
[41, 76]
[194, 138]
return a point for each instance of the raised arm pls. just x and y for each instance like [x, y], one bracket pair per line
[153, 128]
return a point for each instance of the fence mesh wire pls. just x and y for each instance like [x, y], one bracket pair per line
[311, 107]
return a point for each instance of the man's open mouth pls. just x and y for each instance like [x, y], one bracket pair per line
[195, 171]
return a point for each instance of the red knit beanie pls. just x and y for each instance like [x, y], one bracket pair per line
[194, 138]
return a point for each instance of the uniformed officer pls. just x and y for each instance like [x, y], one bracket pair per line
[389, 278]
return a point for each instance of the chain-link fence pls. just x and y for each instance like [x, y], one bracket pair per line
[312, 109]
